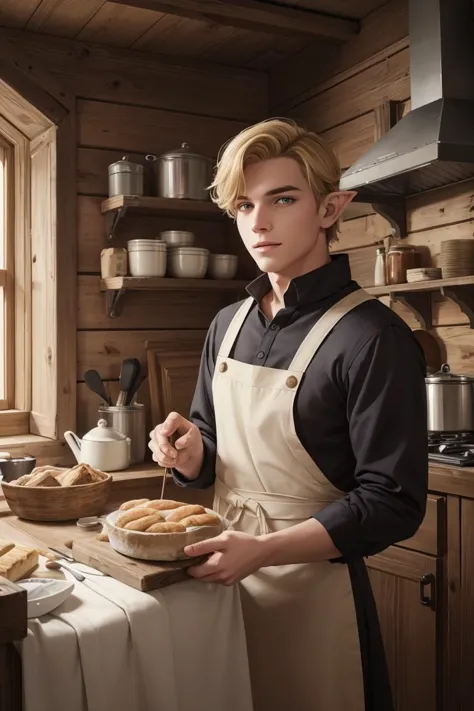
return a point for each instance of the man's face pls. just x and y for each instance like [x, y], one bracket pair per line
[279, 220]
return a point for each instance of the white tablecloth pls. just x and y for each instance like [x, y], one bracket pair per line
[110, 647]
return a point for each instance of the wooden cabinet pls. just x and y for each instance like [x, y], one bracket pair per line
[405, 586]
[409, 582]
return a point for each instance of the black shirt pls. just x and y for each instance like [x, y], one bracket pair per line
[360, 411]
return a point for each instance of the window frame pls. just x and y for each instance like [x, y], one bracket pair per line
[33, 105]
[14, 414]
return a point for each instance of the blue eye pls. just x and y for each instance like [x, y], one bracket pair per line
[287, 200]
[243, 207]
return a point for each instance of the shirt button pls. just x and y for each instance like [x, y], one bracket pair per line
[260, 355]
[273, 326]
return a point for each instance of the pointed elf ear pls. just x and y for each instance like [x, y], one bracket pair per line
[334, 205]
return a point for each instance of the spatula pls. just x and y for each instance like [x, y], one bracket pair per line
[128, 374]
[95, 383]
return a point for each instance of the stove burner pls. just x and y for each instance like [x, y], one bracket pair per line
[451, 448]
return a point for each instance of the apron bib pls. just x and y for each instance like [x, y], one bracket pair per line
[300, 620]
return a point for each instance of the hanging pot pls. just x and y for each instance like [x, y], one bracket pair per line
[183, 174]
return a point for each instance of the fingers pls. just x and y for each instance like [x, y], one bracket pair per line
[174, 423]
[210, 545]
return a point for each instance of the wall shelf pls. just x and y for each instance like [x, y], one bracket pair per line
[116, 287]
[417, 296]
[117, 207]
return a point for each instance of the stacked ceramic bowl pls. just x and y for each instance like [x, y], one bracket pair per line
[184, 261]
[457, 258]
[147, 257]
[223, 266]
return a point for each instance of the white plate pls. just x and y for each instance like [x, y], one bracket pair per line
[45, 594]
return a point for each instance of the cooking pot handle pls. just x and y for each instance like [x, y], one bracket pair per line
[445, 368]
[150, 157]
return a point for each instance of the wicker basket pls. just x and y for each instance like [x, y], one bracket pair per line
[57, 503]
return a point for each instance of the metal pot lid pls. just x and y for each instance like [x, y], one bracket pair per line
[183, 152]
[445, 376]
[125, 166]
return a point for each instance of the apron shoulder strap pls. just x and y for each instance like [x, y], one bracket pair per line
[324, 326]
[234, 328]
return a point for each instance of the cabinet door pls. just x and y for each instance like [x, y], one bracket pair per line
[404, 585]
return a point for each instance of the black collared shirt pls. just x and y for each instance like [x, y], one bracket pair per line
[360, 411]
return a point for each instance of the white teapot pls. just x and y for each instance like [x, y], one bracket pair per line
[102, 448]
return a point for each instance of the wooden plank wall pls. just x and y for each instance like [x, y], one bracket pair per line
[129, 104]
[341, 108]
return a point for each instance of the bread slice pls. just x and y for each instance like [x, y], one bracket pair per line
[18, 563]
[41, 479]
[22, 480]
[5, 546]
[77, 475]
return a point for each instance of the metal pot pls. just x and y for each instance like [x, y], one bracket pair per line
[125, 178]
[183, 174]
[450, 400]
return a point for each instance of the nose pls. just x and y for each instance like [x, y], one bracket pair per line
[261, 220]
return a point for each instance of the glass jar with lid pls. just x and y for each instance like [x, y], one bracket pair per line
[399, 259]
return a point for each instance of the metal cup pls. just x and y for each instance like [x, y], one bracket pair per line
[130, 421]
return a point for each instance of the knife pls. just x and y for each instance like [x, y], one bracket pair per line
[66, 556]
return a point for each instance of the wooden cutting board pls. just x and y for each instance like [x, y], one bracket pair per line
[136, 573]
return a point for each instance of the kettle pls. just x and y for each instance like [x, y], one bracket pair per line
[102, 448]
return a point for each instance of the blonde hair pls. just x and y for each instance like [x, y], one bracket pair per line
[275, 138]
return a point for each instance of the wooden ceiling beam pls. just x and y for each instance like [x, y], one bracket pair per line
[255, 15]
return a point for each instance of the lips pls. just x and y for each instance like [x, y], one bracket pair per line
[265, 245]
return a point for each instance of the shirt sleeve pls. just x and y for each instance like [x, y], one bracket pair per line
[202, 415]
[386, 412]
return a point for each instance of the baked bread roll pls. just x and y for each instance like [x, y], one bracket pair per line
[141, 524]
[165, 527]
[164, 504]
[183, 511]
[201, 520]
[133, 514]
[41, 479]
[132, 504]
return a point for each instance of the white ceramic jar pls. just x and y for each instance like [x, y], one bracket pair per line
[147, 257]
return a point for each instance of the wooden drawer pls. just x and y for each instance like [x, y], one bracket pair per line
[430, 537]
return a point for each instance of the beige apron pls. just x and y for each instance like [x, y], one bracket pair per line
[300, 620]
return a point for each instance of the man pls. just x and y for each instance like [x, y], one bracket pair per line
[309, 417]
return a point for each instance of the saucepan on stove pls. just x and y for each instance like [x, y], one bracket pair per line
[450, 400]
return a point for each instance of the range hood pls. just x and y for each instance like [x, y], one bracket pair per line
[433, 145]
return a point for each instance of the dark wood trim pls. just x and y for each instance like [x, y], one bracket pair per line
[254, 15]
[13, 627]
[66, 268]
[32, 82]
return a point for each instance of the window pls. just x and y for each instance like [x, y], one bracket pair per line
[7, 324]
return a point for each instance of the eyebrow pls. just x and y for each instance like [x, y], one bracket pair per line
[274, 191]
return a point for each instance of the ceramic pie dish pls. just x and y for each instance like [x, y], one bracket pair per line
[158, 546]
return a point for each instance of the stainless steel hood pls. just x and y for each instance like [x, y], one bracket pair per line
[433, 145]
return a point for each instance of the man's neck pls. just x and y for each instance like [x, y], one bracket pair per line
[280, 282]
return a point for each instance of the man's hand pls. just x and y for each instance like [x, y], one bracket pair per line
[187, 454]
[234, 556]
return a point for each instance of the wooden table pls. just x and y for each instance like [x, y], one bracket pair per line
[142, 481]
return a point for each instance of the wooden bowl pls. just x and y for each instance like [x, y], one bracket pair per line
[157, 546]
[57, 503]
